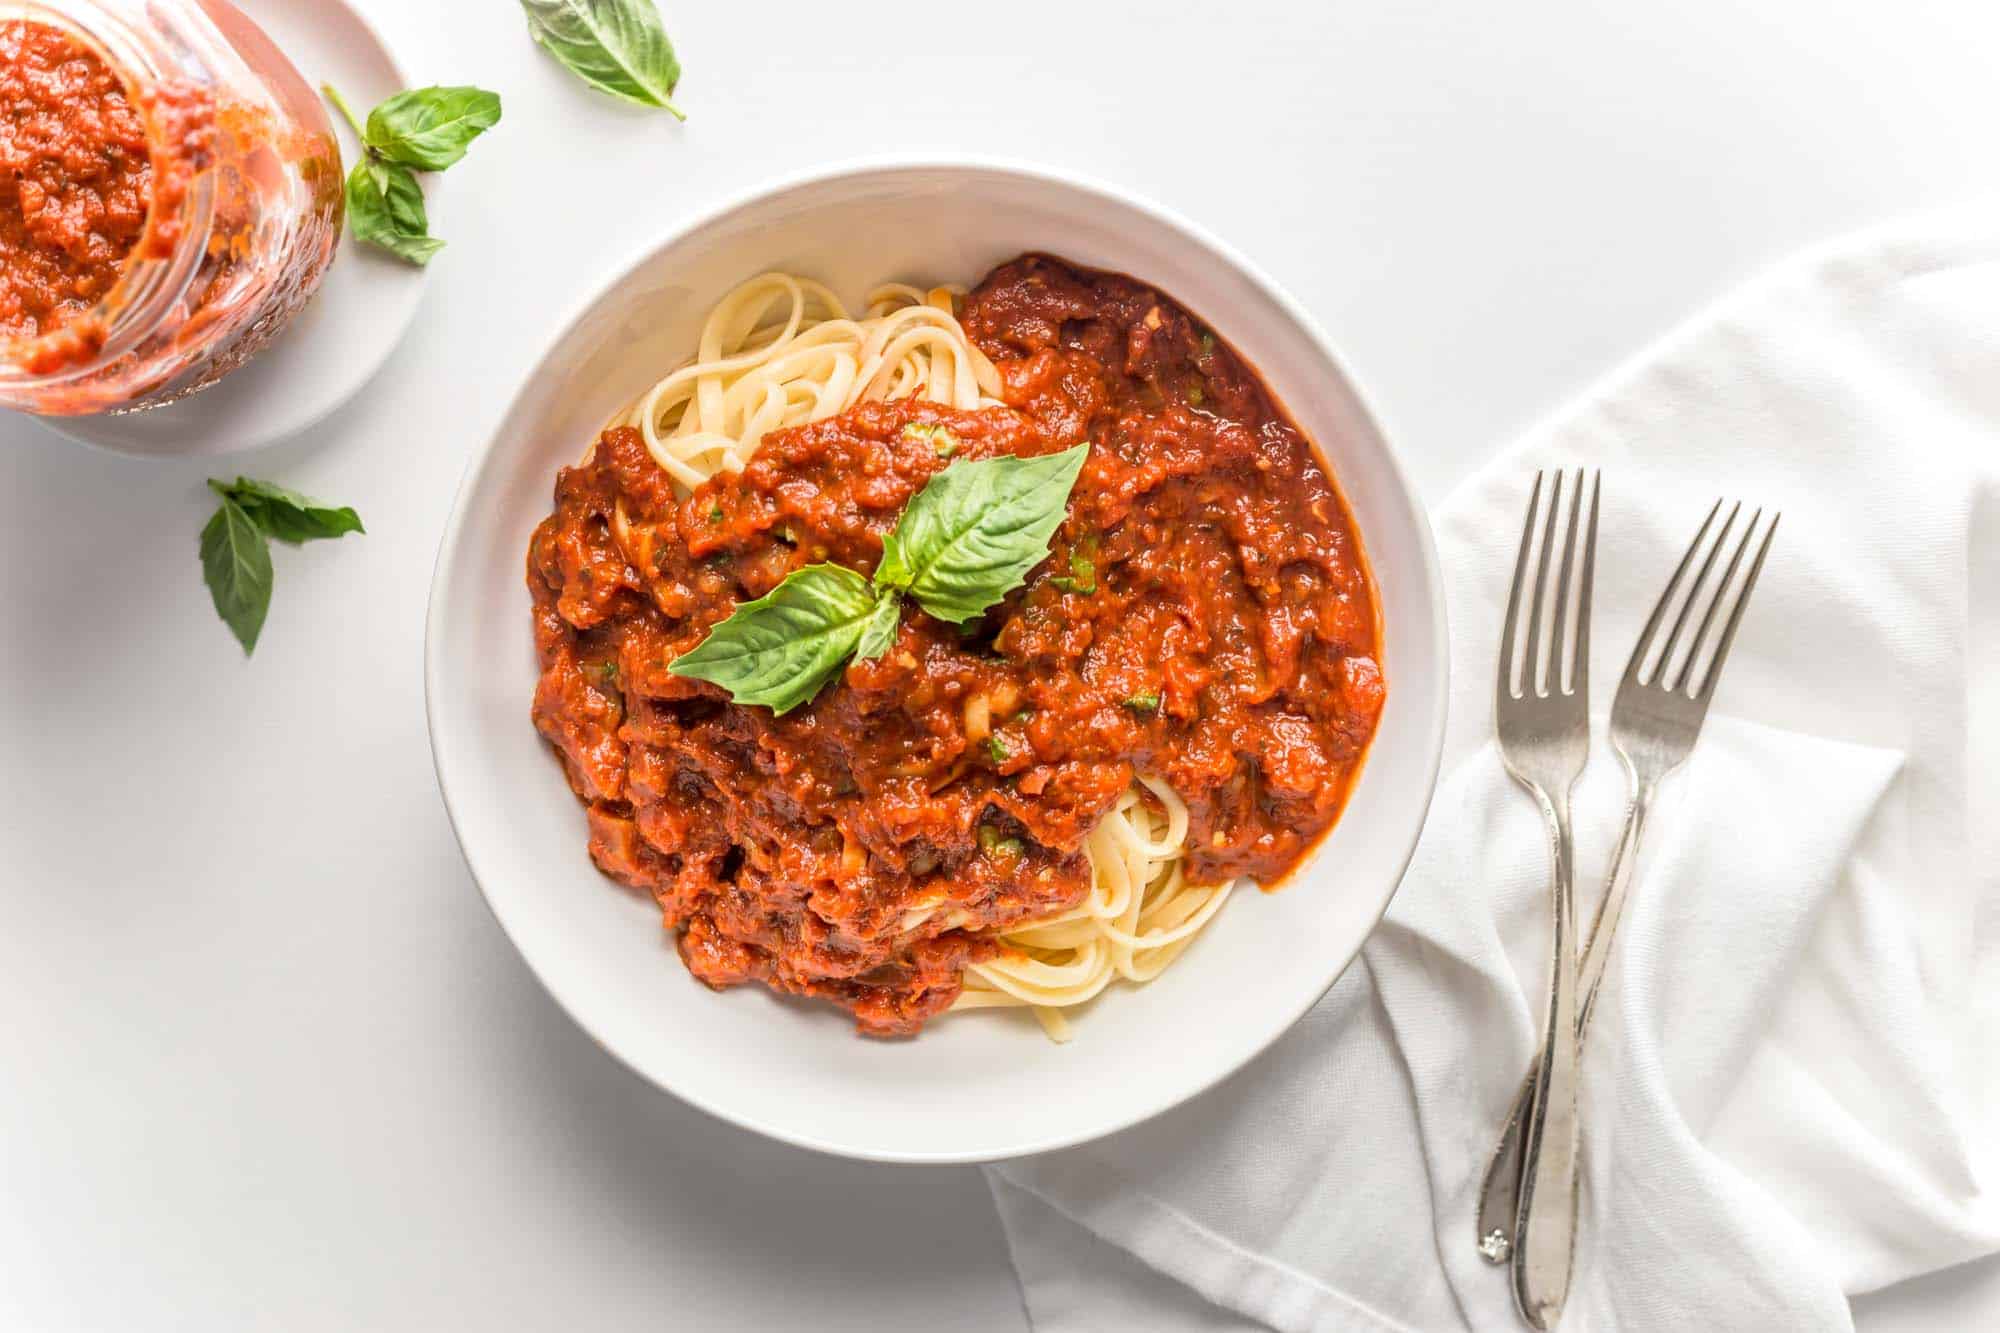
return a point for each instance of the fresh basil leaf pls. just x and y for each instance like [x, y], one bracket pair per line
[285, 514]
[402, 197]
[426, 128]
[236, 563]
[880, 631]
[779, 649]
[430, 128]
[385, 207]
[616, 46]
[975, 530]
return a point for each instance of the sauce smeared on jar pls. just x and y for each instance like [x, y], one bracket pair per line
[76, 180]
[91, 176]
[170, 195]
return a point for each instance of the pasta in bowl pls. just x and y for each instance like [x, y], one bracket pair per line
[941, 649]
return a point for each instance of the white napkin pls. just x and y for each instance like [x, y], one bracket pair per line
[1791, 1082]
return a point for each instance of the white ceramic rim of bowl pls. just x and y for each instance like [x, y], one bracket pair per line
[449, 544]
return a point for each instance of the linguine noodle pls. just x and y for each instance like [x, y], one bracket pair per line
[781, 351]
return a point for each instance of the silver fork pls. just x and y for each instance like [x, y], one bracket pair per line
[1654, 722]
[1544, 730]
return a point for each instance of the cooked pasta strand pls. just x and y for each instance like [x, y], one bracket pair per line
[780, 351]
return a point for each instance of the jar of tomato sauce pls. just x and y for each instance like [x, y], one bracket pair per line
[170, 196]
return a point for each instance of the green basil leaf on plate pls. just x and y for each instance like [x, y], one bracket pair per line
[385, 207]
[236, 563]
[430, 128]
[975, 530]
[616, 46]
[286, 514]
[779, 649]
[425, 129]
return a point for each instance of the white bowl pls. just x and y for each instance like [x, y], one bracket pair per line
[975, 1086]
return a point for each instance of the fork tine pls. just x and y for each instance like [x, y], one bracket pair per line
[1514, 595]
[1736, 616]
[1558, 657]
[1687, 608]
[1645, 643]
[1531, 676]
[1687, 677]
[1580, 663]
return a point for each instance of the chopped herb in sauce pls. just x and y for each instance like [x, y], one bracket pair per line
[940, 437]
[715, 514]
[997, 750]
[993, 844]
[1148, 702]
[1082, 576]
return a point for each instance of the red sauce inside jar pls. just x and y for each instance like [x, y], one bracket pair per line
[80, 187]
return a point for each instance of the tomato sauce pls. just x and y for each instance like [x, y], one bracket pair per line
[80, 188]
[1205, 618]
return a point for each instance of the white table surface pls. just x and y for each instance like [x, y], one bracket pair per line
[265, 1060]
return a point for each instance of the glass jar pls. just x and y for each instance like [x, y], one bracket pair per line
[245, 213]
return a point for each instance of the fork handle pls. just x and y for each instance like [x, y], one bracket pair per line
[1545, 1223]
[1500, 1191]
[1598, 956]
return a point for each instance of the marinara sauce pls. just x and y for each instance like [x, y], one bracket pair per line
[76, 179]
[1205, 618]
[169, 197]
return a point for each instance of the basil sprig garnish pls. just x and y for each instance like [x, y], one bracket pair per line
[778, 649]
[236, 546]
[976, 529]
[424, 129]
[616, 46]
[966, 540]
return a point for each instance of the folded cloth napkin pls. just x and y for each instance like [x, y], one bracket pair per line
[1785, 1102]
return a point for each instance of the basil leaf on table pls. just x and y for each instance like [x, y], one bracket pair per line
[236, 546]
[975, 530]
[236, 562]
[430, 128]
[779, 649]
[286, 514]
[616, 46]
